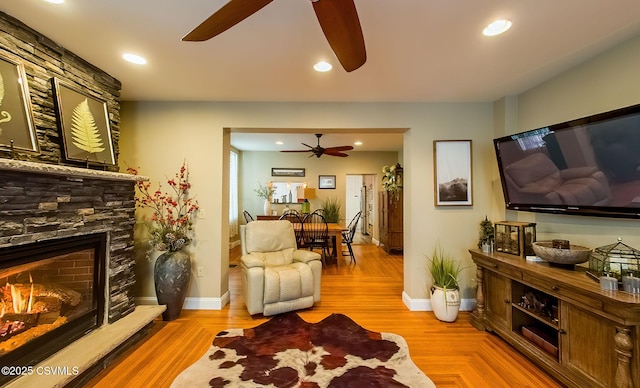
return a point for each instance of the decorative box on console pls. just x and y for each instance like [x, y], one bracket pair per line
[515, 238]
[616, 260]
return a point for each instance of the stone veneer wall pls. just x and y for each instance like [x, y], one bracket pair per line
[40, 202]
[44, 60]
[41, 195]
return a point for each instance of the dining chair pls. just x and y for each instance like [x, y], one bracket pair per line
[247, 216]
[292, 211]
[347, 236]
[316, 234]
[298, 227]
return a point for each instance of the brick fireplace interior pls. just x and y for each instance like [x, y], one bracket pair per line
[52, 293]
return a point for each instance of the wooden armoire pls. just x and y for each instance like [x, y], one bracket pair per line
[390, 221]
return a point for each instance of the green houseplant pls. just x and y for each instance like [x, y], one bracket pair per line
[445, 292]
[392, 180]
[486, 235]
[331, 208]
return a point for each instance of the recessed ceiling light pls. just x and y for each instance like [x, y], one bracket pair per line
[279, 142]
[55, 1]
[138, 60]
[358, 143]
[497, 27]
[322, 66]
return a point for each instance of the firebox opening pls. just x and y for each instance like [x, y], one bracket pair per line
[51, 293]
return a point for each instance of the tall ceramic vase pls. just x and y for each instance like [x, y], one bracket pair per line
[445, 303]
[267, 207]
[172, 273]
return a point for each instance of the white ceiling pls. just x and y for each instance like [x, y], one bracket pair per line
[371, 141]
[418, 51]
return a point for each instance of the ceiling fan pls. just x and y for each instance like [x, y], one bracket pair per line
[338, 19]
[318, 151]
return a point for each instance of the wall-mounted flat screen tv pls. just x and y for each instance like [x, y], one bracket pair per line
[588, 166]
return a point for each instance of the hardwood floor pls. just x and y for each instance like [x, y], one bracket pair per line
[451, 354]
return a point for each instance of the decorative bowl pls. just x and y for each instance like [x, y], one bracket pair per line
[575, 255]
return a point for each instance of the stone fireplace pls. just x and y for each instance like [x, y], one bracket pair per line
[66, 253]
[45, 199]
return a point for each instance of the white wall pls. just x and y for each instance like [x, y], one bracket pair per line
[157, 136]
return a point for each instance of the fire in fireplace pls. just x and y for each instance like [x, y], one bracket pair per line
[51, 293]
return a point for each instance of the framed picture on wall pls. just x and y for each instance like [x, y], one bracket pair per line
[17, 130]
[452, 172]
[327, 181]
[296, 172]
[83, 121]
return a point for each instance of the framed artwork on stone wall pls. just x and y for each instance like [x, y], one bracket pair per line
[17, 130]
[83, 121]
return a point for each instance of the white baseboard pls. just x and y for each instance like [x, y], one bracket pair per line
[425, 304]
[192, 303]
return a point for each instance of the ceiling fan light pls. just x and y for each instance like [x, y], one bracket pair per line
[322, 67]
[133, 58]
[497, 27]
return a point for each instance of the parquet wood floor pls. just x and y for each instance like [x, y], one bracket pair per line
[451, 354]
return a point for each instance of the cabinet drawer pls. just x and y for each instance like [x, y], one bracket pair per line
[501, 268]
[560, 290]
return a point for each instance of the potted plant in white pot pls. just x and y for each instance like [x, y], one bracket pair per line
[445, 292]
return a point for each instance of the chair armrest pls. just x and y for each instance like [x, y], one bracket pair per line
[578, 172]
[304, 256]
[251, 261]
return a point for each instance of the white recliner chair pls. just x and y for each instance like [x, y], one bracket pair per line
[277, 276]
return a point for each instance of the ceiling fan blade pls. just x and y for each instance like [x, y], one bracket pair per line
[341, 154]
[341, 26]
[226, 17]
[342, 148]
[296, 151]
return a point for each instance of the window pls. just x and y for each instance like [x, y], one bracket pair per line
[533, 140]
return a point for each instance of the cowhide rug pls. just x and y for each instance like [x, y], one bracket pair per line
[286, 351]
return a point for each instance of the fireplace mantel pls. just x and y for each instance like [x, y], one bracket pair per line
[54, 169]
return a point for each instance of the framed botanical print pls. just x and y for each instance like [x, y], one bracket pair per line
[84, 123]
[17, 131]
[452, 165]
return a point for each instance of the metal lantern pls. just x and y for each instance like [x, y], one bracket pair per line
[615, 260]
[515, 238]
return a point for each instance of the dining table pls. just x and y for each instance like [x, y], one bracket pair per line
[335, 230]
